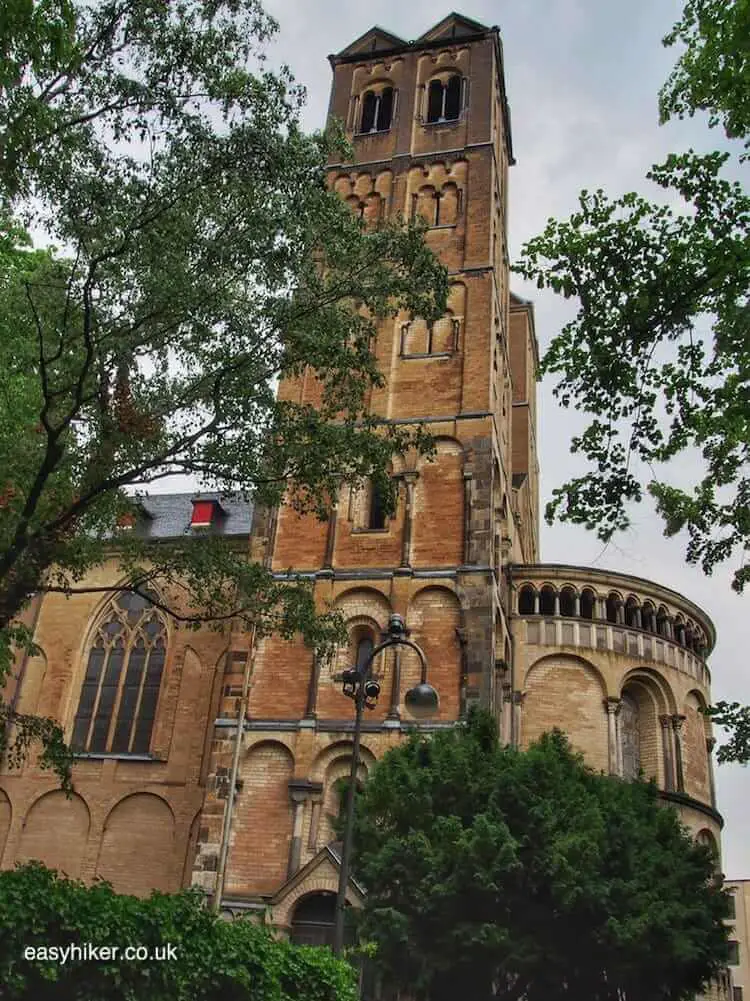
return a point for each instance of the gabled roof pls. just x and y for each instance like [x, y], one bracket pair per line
[330, 854]
[374, 40]
[453, 26]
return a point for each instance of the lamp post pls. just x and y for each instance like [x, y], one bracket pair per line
[421, 701]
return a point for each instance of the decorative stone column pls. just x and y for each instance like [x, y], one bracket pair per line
[710, 745]
[677, 721]
[577, 605]
[467, 556]
[410, 480]
[317, 806]
[666, 741]
[331, 537]
[300, 791]
[612, 706]
[556, 605]
[312, 688]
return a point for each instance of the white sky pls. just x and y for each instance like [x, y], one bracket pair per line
[582, 78]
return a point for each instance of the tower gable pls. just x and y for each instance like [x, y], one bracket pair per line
[374, 40]
[452, 26]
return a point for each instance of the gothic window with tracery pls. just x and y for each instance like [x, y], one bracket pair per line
[117, 707]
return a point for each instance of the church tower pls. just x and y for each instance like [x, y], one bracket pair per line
[430, 127]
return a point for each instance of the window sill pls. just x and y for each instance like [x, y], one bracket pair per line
[432, 354]
[442, 225]
[370, 531]
[372, 132]
[444, 122]
[116, 756]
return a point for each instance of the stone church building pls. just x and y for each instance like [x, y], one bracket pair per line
[618, 662]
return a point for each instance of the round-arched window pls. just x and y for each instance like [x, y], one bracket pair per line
[444, 99]
[377, 110]
[526, 600]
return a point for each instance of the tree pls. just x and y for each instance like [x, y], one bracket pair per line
[43, 915]
[200, 258]
[493, 873]
[658, 353]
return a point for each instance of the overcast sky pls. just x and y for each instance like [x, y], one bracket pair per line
[582, 79]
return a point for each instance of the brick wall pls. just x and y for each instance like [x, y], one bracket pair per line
[262, 821]
[568, 694]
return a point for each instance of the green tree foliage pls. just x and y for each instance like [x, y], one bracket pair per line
[498, 874]
[713, 72]
[658, 353]
[200, 258]
[735, 718]
[214, 958]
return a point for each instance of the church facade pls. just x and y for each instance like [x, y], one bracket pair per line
[618, 662]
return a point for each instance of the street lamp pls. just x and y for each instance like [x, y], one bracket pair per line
[422, 701]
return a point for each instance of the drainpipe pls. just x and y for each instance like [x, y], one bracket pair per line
[229, 808]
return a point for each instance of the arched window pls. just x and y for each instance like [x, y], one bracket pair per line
[377, 110]
[444, 100]
[679, 631]
[662, 622]
[120, 690]
[648, 617]
[376, 515]
[705, 837]
[632, 618]
[630, 737]
[547, 600]
[568, 602]
[613, 605]
[587, 603]
[526, 600]
[364, 649]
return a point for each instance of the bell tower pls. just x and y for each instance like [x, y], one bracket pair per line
[429, 124]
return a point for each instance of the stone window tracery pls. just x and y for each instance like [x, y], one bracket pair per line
[377, 110]
[630, 737]
[117, 705]
[444, 99]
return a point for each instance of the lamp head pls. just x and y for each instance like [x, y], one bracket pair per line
[422, 701]
[396, 626]
[371, 693]
[350, 679]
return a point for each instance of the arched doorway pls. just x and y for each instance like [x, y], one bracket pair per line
[313, 919]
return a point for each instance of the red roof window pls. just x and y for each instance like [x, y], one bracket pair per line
[205, 513]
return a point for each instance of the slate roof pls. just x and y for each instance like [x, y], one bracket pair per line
[168, 515]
